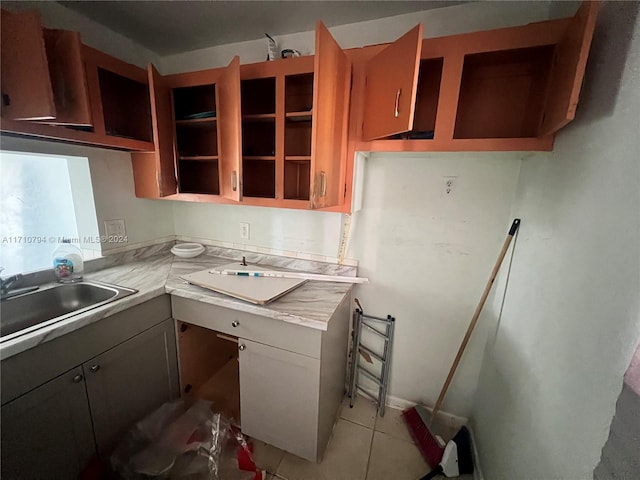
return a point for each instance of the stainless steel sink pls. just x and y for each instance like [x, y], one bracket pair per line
[28, 312]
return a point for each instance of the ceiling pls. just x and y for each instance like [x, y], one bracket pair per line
[167, 27]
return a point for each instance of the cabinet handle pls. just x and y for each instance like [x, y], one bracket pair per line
[323, 179]
[234, 180]
[94, 368]
[235, 323]
[241, 347]
[77, 378]
[397, 111]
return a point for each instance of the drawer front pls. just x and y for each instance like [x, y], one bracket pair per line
[268, 331]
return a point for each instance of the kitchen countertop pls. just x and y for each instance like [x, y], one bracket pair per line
[311, 305]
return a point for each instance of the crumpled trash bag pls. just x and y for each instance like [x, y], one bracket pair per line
[176, 442]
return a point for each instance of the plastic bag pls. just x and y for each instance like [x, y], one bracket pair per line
[176, 442]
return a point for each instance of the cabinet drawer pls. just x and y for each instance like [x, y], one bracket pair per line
[295, 338]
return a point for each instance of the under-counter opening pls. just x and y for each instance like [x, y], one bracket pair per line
[209, 368]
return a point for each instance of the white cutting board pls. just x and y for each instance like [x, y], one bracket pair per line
[259, 290]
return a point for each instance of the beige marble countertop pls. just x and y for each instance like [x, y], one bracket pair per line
[155, 271]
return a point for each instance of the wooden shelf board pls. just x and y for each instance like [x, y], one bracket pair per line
[53, 132]
[297, 158]
[197, 121]
[459, 145]
[259, 157]
[200, 158]
[304, 116]
[259, 116]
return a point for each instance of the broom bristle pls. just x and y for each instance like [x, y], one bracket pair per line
[426, 441]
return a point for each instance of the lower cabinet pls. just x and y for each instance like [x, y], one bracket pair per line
[279, 393]
[47, 433]
[283, 382]
[127, 382]
[54, 430]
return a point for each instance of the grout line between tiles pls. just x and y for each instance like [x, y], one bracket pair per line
[373, 434]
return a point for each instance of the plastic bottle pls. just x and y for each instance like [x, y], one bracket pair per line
[68, 264]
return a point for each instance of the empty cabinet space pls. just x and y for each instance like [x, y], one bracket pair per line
[297, 137]
[209, 368]
[197, 175]
[297, 179]
[258, 96]
[502, 94]
[259, 178]
[298, 91]
[259, 138]
[193, 103]
[429, 77]
[126, 106]
[198, 139]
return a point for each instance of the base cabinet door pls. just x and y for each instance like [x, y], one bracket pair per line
[129, 381]
[47, 433]
[279, 393]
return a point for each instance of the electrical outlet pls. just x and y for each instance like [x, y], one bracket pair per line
[244, 231]
[449, 184]
[115, 228]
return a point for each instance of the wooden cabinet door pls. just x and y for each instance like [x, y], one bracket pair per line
[569, 64]
[331, 90]
[68, 78]
[129, 381]
[26, 87]
[279, 393]
[47, 433]
[391, 86]
[230, 131]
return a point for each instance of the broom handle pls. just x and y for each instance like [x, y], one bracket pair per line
[476, 315]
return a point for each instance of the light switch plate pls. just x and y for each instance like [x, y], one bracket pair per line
[115, 228]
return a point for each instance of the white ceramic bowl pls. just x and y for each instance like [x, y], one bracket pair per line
[187, 250]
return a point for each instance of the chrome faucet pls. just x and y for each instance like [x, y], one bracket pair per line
[7, 283]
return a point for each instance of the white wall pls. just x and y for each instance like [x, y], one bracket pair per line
[439, 22]
[571, 317]
[54, 15]
[113, 191]
[289, 231]
[428, 256]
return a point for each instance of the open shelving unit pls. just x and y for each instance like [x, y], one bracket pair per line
[297, 135]
[126, 106]
[258, 100]
[196, 139]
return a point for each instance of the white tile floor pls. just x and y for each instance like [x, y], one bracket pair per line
[362, 447]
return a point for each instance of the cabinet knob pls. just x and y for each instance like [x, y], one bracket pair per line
[235, 323]
[241, 347]
[94, 368]
[77, 378]
[397, 109]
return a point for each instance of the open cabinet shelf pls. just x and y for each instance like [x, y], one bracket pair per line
[198, 175]
[126, 106]
[209, 368]
[259, 178]
[502, 94]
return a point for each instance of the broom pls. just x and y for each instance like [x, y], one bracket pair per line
[417, 418]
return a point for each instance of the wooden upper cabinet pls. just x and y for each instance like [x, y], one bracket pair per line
[568, 69]
[230, 131]
[26, 88]
[68, 78]
[154, 172]
[163, 138]
[331, 90]
[391, 85]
